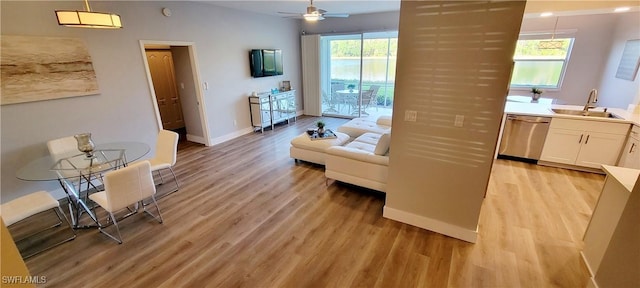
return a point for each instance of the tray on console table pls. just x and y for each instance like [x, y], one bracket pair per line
[328, 134]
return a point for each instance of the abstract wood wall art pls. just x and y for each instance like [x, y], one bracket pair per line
[43, 68]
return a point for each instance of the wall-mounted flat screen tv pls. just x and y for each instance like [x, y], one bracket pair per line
[265, 62]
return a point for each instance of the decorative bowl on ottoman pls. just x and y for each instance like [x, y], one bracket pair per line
[303, 148]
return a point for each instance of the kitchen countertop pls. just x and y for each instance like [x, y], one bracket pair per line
[544, 110]
[626, 176]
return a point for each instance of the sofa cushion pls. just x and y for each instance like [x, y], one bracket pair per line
[383, 144]
[359, 126]
[348, 152]
[369, 138]
[362, 146]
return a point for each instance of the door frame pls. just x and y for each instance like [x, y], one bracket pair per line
[196, 79]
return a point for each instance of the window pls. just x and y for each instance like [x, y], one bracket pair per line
[540, 66]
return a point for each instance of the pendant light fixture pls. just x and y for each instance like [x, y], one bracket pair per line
[551, 44]
[88, 19]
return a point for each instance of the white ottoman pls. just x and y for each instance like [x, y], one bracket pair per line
[303, 148]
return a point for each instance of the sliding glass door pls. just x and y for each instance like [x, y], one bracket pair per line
[340, 58]
[358, 74]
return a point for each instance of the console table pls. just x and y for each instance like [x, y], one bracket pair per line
[268, 109]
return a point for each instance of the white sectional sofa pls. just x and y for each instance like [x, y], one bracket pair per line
[363, 162]
[359, 126]
[359, 155]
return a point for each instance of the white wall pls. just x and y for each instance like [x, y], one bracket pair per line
[588, 58]
[187, 92]
[124, 108]
[615, 92]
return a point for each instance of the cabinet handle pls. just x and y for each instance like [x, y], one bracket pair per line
[633, 145]
[580, 141]
[586, 141]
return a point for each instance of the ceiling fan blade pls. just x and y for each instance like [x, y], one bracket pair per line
[289, 13]
[321, 11]
[336, 15]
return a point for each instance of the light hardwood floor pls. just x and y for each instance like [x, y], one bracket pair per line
[248, 216]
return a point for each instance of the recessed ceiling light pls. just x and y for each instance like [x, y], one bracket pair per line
[622, 9]
[546, 14]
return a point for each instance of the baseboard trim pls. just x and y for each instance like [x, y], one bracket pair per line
[230, 136]
[430, 224]
[197, 139]
[570, 167]
[592, 279]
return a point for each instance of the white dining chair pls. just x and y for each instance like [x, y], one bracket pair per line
[70, 179]
[165, 157]
[22, 208]
[63, 147]
[123, 188]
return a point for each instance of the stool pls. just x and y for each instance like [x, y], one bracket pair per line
[26, 206]
[303, 148]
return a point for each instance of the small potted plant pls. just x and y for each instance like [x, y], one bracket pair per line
[320, 125]
[537, 92]
[351, 87]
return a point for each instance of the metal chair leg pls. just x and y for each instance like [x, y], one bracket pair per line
[159, 217]
[161, 180]
[175, 178]
[115, 223]
[60, 215]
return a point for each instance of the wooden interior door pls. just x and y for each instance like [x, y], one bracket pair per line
[164, 84]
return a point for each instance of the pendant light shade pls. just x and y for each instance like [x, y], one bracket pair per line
[88, 19]
[551, 44]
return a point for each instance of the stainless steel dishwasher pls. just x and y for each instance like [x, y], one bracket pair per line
[523, 136]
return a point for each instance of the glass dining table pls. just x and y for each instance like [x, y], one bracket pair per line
[80, 174]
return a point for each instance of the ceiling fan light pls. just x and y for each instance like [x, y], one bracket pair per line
[313, 17]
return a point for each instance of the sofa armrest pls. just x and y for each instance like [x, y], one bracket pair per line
[357, 154]
[384, 120]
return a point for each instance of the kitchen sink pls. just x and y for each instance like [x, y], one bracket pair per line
[601, 114]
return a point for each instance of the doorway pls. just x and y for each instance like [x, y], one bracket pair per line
[163, 77]
[173, 79]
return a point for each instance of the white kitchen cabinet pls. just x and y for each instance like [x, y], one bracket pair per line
[561, 146]
[584, 143]
[631, 153]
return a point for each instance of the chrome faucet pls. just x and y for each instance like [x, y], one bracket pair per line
[591, 101]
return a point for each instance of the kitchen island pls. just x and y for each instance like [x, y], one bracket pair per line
[612, 239]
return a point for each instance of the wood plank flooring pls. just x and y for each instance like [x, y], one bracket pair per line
[247, 216]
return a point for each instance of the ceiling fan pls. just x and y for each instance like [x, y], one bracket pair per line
[315, 14]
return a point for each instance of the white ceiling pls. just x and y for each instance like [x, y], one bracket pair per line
[271, 7]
